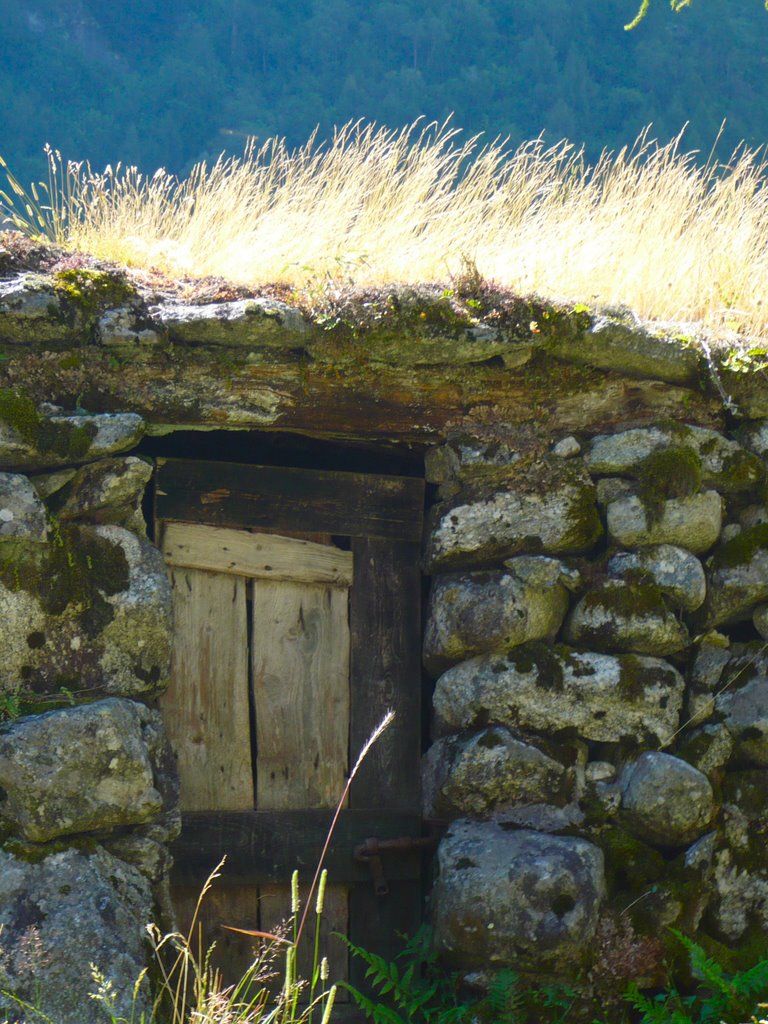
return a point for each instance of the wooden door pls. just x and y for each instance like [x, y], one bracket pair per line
[288, 651]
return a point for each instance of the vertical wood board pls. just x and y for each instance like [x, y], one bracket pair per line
[300, 678]
[205, 708]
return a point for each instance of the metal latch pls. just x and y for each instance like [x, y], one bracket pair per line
[371, 850]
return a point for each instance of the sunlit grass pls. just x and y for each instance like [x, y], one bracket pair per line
[651, 226]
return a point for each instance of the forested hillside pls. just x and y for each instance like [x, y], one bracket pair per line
[167, 82]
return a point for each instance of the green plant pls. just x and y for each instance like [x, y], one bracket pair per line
[719, 997]
[414, 987]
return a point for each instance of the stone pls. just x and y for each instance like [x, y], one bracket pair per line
[487, 772]
[708, 748]
[567, 448]
[75, 770]
[47, 484]
[616, 341]
[611, 488]
[752, 515]
[128, 332]
[665, 800]
[109, 491]
[740, 876]
[693, 523]
[22, 513]
[618, 616]
[30, 311]
[517, 898]
[599, 771]
[760, 620]
[599, 696]
[548, 818]
[706, 669]
[471, 613]
[258, 322]
[559, 519]
[61, 910]
[737, 579]
[725, 464]
[677, 573]
[729, 531]
[31, 440]
[464, 458]
[754, 436]
[742, 705]
[94, 615]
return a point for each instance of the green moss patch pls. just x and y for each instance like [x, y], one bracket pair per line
[86, 294]
[740, 550]
[673, 472]
[66, 440]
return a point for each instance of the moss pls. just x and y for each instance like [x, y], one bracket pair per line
[629, 863]
[625, 599]
[635, 677]
[77, 568]
[673, 472]
[585, 525]
[741, 549]
[741, 472]
[69, 441]
[36, 853]
[542, 659]
[88, 293]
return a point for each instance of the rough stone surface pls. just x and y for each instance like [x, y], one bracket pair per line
[625, 616]
[742, 704]
[47, 484]
[760, 620]
[258, 322]
[111, 637]
[22, 513]
[126, 331]
[109, 491]
[61, 911]
[677, 573]
[472, 613]
[724, 463]
[666, 800]
[708, 748]
[599, 696]
[76, 770]
[737, 578]
[705, 673]
[487, 772]
[518, 898]
[559, 521]
[693, 522]
[30, 310]
[109, 433]
[618, 342]
[567, 448]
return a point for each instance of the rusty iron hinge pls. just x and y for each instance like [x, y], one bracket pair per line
[371, 850]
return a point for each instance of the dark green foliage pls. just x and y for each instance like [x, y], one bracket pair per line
[719, 997]
[415, 988]
[125, 81]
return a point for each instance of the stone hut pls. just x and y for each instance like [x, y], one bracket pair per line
[236, 527]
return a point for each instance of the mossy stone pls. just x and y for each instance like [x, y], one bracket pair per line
[59, 438]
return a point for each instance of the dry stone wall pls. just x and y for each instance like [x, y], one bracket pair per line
[88, 787]
[596, 629]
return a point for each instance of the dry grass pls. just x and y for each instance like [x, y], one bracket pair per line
[650, 226]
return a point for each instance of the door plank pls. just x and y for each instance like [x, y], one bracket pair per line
[249, 497]
[205, 708]
[255, 555]
[266, 846]
[385, 673]
[300, 678]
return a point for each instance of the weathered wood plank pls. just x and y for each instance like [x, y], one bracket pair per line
[255, 555]
[385, 624]
[237, 906]
[266, 846]
[300, 679]
[248, 497]
[205, 708]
